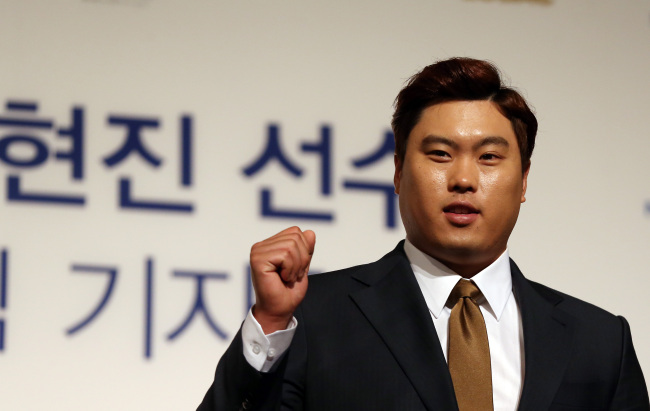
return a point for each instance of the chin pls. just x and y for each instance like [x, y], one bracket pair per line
[461, 252]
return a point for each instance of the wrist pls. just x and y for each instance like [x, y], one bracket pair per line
[271, 323]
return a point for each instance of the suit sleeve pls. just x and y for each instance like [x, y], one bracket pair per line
[631, 391]
[238, 386]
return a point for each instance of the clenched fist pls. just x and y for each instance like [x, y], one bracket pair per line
[279, 267]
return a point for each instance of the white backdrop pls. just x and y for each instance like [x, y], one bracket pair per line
[233, 69]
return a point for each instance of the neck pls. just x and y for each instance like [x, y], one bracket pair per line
[466, 263]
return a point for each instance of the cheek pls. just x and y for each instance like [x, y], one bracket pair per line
[438, 178]
[431, 188]
[502, 187]
[428, 179]
[423, 182]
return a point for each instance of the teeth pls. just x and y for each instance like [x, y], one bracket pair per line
[460, 210]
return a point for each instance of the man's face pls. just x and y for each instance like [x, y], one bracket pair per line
[461, 184]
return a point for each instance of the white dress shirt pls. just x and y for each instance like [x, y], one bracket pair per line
[499, 309]
[262, 351]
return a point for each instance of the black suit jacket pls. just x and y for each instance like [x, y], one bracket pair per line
[365, 341]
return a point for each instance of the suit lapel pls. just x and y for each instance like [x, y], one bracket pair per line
[548, 334]
[394, 305]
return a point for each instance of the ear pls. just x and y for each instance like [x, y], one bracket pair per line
[525, 183]
[398, 173]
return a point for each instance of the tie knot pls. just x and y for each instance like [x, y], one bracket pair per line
[462, 289]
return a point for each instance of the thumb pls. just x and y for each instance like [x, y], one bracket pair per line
[310, 237]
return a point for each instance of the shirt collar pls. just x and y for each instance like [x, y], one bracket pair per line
[436, 281]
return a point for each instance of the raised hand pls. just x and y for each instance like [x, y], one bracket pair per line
[279, 267]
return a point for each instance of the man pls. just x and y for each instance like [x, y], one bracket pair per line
[446, 320]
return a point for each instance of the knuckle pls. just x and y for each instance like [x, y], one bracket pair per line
[256, 246]
[285, 254]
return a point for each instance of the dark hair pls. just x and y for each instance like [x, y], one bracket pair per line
[462, 79]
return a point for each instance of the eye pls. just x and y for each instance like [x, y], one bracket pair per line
[490, 157]
[439, 154]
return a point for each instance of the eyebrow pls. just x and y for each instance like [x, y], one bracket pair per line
[431, 139]
[496, 140]
[492, 140]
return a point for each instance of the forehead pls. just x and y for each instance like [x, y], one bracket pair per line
[463, 121]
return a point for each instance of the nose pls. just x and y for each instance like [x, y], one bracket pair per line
[462, 176]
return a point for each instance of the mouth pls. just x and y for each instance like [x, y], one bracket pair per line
[460, 208]
[461, 213]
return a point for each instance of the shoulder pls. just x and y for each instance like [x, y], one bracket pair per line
[332, 293]
[356, 277]
[573, 305]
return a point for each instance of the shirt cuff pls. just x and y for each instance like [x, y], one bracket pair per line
[263, 351]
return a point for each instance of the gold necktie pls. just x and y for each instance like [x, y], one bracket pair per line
[469, 352]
